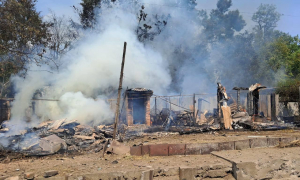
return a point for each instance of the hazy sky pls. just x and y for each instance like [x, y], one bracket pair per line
[290, 20]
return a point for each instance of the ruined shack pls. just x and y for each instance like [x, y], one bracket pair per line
[138, 106]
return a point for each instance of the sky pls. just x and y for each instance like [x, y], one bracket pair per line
[289, 21]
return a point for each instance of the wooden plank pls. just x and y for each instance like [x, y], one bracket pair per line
[263, 102]
[227, 117]
[269, 105]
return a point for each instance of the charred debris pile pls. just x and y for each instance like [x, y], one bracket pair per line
[244, 108]
[137, 119]
[258, 111]
[60, 136]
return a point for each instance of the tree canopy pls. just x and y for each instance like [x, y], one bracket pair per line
[266, 18]
[262, 54]
[87, 15]
[221, 23]
[21, 27]
[23, 36]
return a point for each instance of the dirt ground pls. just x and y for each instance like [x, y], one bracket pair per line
[93, 163]
[76, 165]
[265, 163]
[217, 136]
[264, 155]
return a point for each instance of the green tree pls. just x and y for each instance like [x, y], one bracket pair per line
[278, 60]
[221, 23]
[87, 14]
[23, 37]
[149, 27]
[21, 27]
[89, 11]
[266, 18]
[288, 89]
[284, 53]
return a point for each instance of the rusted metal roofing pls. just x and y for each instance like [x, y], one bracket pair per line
[140, 89]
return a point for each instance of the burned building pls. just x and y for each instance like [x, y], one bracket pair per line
[138, 106]
[253, 99]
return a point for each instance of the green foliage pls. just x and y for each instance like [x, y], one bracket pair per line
[266, 18]
[21, 30]
[149, 27]
[224, 5]
[23, 37]
[20, 23]
[6, 69]
[221, 23]
[87, 15]
[283, 54]
[289, 89]
[262, 55]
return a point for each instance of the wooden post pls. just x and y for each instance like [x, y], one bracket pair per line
[194, 105]
[269, 106]
[274, 106]
[238, 100]
[170, 102]
[119, 92]
[155, 107]
[180, 100]
[218, 104]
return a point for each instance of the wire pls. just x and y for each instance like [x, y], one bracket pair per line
[42, 70]
[11, 99]
[174, 104]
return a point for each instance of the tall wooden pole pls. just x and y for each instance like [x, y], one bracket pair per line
[155, 107]
[194, 106]
[170, 103]
[119, 92]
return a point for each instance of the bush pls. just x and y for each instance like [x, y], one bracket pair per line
[288, 90]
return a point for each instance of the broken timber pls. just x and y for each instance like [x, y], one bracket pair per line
[119, 92]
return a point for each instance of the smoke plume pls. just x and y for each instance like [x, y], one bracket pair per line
[175, 59]
[88, 75]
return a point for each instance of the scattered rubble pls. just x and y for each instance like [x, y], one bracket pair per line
[52, 144]
[295, 143]
[57, 136]
[29, 175]
[65, 136]
[50, 173]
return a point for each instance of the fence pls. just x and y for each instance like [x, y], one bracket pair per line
[189, 103]
[271, 104]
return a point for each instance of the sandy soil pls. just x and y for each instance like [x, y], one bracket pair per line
[94, 163]
[260, 155]
[265, 163]
[219, 136]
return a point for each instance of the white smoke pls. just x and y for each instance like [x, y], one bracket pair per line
[89, 72]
